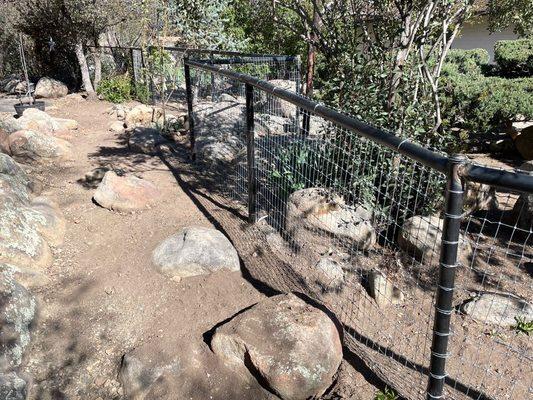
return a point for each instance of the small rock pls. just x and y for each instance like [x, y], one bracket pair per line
[293, 346]
[17, 312]
[195, 251]
[125, 193]
[66, 124]
[48, 88]
[329, 273]
[479, 196]
[498, 309]
[523, 211]
[96, 175]
[117, 127]
[383, 290]
[422, 236]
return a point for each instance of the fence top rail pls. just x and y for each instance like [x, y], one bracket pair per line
[188, 50]
[510, 180]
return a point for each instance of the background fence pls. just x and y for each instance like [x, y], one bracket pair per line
[425, 259]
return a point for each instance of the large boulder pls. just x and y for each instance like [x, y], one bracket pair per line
[316, 215]
[4, 146]
[33, 147]
[12, 387]
[21, 243]
[146, 140]
[47, 219]
[31, 119]
[195, 251]
[125, 193]
[280, 107]
[218, 131]
[498, 309]
[294, 347]
[17, 313]
[48, 88]
[422, 237]
[524, 143]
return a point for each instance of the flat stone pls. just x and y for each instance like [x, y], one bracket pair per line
[125, 193]
[195, 251]
[498, 309]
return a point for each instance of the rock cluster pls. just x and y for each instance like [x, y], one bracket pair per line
[29, 227]
[34, 138]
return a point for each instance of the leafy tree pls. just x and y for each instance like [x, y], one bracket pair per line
[516, 14]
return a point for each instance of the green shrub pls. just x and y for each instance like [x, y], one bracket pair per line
[485, 104]
[142, 93]
[514, 57]
[470, 62]
[116, 89]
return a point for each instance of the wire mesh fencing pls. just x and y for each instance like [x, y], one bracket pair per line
[358, 225]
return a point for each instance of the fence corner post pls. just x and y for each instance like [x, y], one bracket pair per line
[250, 154]
[446, 281]
[188, 91]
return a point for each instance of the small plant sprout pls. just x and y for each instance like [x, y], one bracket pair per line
[523, 326]
[387, 394]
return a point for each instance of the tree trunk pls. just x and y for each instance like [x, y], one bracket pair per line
[86, 78]
[311, 54]
[97, 67]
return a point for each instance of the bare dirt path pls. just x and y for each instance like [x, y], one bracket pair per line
[103, 297]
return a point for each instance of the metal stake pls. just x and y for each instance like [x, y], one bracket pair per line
[250, 147]
[188, 90]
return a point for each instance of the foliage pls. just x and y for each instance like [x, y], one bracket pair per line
[517, 14]
[116, 89]
[387, 394]
[479, 103]
[142, 93]
[514, 57]
[523, 326]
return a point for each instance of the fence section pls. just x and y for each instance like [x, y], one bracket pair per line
[356, 218]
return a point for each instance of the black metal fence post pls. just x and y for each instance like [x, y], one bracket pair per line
[188, 90]
[448, 264]
[213, 92]
[298, 91]
[250, 147]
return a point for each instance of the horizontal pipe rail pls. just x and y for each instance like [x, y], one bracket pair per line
[248, 60]
[510, 180]
[189, 50]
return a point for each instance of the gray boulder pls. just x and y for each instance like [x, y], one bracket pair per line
[219, 128]
[17, 313]
[280, 107]
[293, 346]
[12, 387]
[422, 237]
[31, 119]
[146, 140]
[316, 216]
[48, 88]
[195, 251]
[498, 309]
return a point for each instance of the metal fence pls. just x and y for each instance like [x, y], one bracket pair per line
[426, 259]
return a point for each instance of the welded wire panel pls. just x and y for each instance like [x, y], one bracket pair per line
[358, 227]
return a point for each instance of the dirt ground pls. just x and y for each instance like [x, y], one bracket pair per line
[103, 297]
